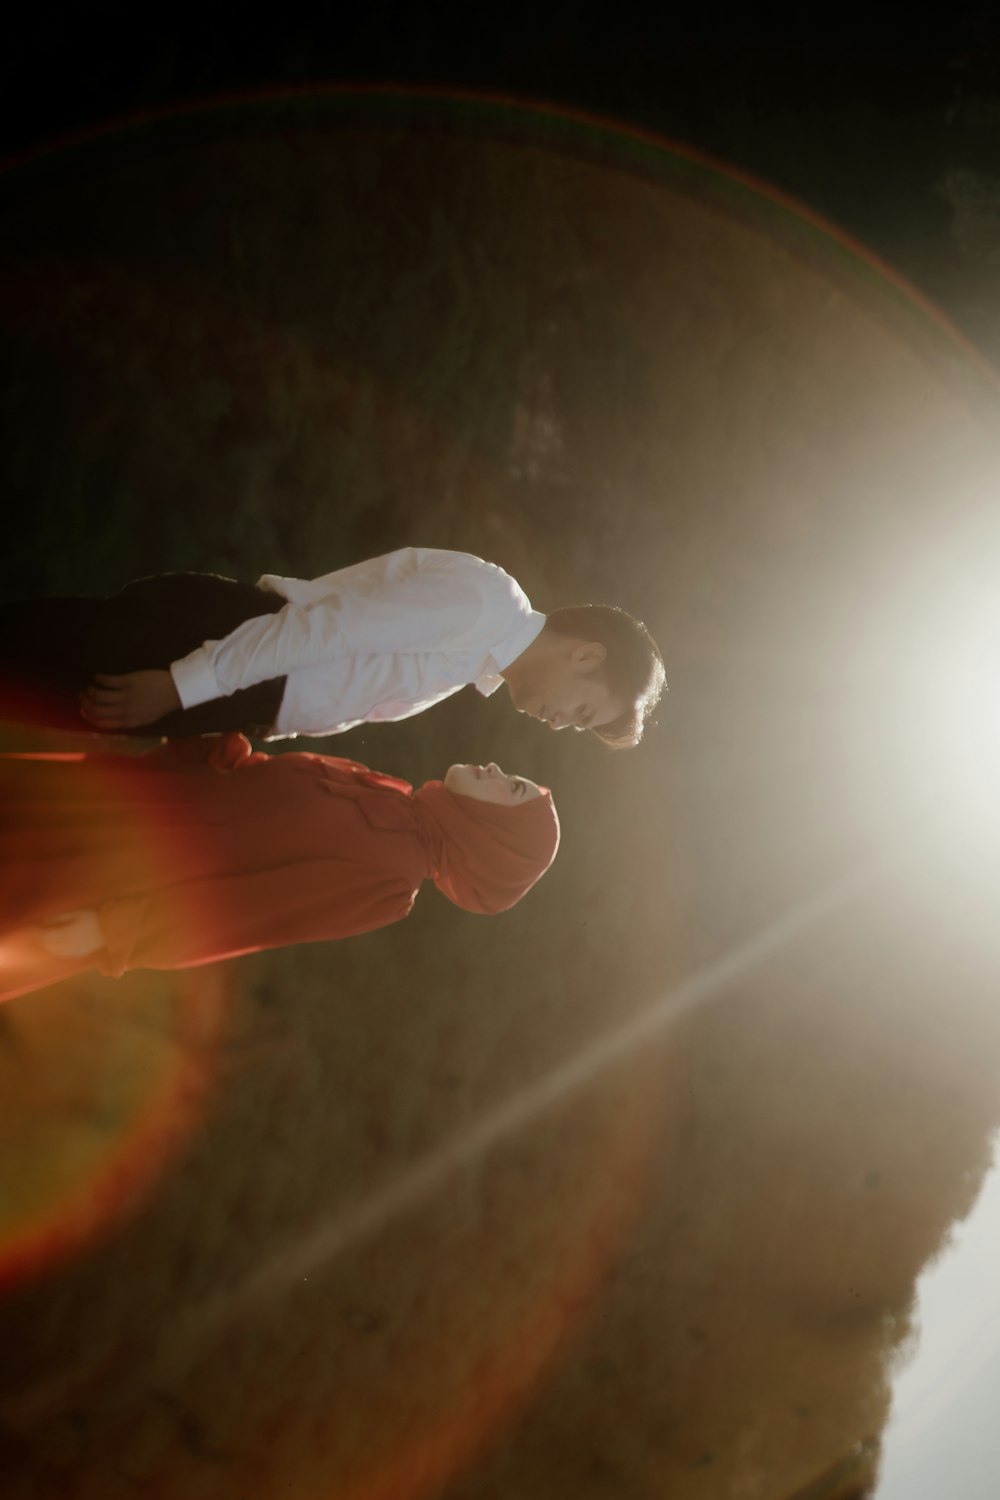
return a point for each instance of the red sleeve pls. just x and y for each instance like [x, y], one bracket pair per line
[223, 752]
[204, 921]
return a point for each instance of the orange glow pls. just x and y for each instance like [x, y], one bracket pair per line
[70, 1183]
[101, 1080]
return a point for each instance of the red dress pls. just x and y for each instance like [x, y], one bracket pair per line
[199, 852]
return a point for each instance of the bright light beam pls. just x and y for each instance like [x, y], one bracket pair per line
[945, 653]
[366, 1218]
[359, 1222]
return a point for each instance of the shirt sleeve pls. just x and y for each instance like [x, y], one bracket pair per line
[407, 602]
[201, 922]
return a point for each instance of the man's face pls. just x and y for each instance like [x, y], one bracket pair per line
[567, 691]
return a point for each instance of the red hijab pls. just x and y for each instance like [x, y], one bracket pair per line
[482, 856]
[486, 857]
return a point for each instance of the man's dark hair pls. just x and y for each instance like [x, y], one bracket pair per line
[633, 668]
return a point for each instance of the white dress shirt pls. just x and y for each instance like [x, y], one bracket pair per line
[383, 639]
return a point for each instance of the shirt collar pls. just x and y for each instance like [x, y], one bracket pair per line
[508, 650]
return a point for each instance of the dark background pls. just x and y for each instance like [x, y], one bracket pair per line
[886, 122]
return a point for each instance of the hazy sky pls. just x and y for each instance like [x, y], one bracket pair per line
[943, 1437]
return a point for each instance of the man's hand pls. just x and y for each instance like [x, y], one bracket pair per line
[130, 700]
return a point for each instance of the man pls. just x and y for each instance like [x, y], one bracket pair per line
[194, 653]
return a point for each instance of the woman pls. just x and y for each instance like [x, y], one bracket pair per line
[205, 849]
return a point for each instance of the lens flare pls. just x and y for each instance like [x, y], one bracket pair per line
[946, 735]
[101, 1081]
[98, 1095]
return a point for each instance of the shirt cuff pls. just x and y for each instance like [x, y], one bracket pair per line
[194, 679]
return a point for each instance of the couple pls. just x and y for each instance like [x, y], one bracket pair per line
[203, 849]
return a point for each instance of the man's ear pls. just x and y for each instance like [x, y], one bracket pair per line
[589, 654]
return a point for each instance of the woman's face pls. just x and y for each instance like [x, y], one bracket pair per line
[490, 784]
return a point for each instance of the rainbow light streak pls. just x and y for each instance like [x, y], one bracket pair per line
[561, 128]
